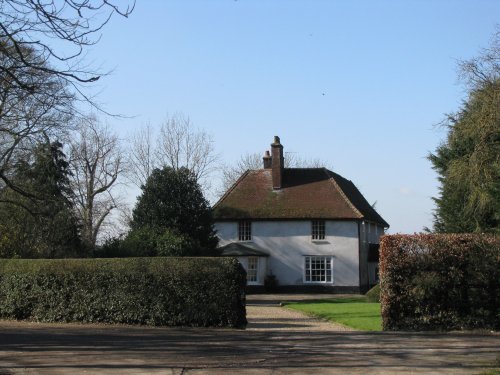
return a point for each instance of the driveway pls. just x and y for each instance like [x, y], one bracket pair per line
[275, 342]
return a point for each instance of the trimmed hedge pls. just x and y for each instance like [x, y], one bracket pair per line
[152, 291]
[440, 282]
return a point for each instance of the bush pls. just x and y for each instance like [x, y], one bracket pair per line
[152, 291]
[441, 281]
[270, 283]
[373, 295]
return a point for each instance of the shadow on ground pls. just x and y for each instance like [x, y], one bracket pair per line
[54, 346]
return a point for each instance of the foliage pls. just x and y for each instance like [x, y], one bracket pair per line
[152, 291]
[28, 117]
[357, 313]
[440, 281]
[44, 227]
[468, 162]
[373, 295]
[172, 208]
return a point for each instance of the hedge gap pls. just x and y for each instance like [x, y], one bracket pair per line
[151, 291]
[440, 282]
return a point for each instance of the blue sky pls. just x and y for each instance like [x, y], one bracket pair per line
[358, 84]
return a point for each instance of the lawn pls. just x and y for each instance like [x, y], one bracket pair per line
[355, 312]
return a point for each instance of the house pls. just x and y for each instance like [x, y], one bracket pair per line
[310, 228]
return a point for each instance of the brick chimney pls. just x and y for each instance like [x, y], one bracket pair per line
[277, 163]
[267, 160]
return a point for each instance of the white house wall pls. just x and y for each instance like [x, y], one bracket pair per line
[289, 241]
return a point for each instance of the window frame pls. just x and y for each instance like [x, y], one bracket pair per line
[318, 230]
[328, 277]
[244, 231]
[252, 271]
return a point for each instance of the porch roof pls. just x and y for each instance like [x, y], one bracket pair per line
[238, 249]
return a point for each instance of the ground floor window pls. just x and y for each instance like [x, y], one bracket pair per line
[252, 271]
[318, 269]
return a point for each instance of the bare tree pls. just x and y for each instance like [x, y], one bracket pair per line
[57, 33]
[30, 117]
[96, 163]
[181, 145]
[178, 145]
[485, 67]
[39, 83]
[141, 156]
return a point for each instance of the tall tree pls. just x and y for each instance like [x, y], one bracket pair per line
[172, 200]
[178, 145]
[43, 72]
[28, 117]
[96, 161]
[468, 162]
[43, 227]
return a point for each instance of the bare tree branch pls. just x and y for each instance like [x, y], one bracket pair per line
[178, 144]
[96, 160]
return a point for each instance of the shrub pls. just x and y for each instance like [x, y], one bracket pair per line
[270, 283]
[373, 295]
[441, 281]
[152, 291]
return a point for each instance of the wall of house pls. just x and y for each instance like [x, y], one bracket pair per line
[288, 242]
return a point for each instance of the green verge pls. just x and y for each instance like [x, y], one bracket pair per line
[354, 312]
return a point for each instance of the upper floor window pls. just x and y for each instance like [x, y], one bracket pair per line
[318, 230]
[244, 230]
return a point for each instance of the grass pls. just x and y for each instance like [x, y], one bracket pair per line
[355, 312]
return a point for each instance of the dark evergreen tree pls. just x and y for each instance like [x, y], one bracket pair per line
[172, 206]
[42, 225]
[468, 164]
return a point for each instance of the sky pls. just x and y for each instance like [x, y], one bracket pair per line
[361, 85]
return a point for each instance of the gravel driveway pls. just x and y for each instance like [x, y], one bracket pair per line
[265, 318]
[277, 341]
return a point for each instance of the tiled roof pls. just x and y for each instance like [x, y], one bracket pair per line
[307, 193]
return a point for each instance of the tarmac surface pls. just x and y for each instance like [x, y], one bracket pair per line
[275, 342]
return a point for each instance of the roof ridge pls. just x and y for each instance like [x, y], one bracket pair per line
[341, 192]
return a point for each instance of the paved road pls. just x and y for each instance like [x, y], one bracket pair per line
[281, 348]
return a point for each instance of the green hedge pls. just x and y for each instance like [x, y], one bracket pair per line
[440, 282]
[152, 291]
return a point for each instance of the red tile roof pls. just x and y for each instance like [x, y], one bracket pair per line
[307, 193]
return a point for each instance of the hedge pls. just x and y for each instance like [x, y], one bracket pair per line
[151, 291]
[440, 282]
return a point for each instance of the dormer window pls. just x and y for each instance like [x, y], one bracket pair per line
[244, 230]
[318, 230]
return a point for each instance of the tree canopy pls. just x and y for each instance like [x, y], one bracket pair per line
[468, 162]
[173, 207]
[45, 227]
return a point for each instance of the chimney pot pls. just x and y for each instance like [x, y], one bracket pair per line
[267, 160]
